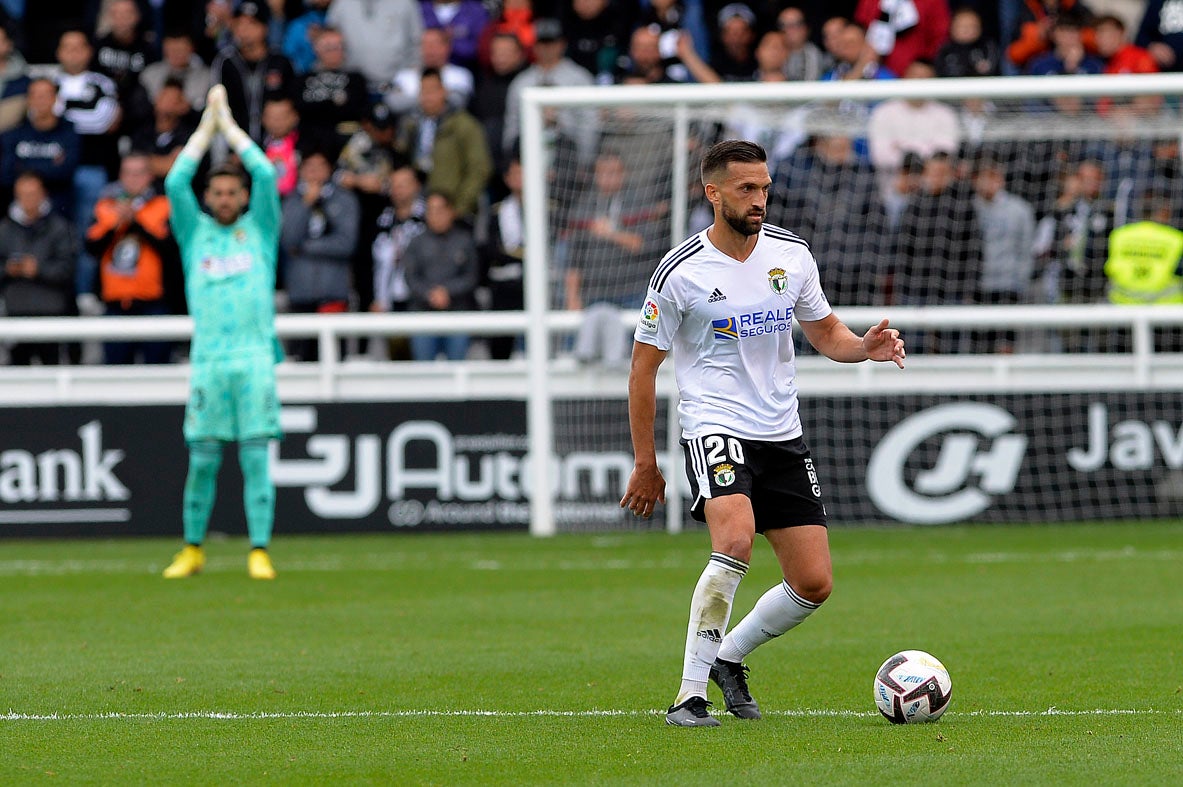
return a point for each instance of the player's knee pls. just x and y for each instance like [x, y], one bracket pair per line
[736, 545]
[253, 455]
[814, 588]
[205, 459]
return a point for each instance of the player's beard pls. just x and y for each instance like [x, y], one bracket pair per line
[227, 216]
[746, 224]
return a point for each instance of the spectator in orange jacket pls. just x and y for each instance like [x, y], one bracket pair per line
[1036, 20]
[131, 239]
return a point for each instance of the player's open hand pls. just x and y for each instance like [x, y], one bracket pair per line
[646, 488]
[884, 344]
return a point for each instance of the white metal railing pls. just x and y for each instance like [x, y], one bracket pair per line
[329, 329]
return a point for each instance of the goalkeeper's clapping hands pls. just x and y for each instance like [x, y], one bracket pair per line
[238, 139]
[207, 128]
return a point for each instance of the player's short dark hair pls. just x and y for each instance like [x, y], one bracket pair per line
[228, 169]
[723, 153]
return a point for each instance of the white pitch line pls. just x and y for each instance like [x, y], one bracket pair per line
[387, 561]
[411, 714]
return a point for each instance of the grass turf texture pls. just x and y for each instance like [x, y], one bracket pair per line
[358, 663]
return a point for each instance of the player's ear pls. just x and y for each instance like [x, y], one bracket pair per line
[712, 192]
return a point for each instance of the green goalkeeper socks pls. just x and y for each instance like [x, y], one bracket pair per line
[258, 493]
[201, 488]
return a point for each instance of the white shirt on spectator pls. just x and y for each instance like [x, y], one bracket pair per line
[898, 126]
[404, 93]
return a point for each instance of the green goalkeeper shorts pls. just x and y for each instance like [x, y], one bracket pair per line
[232, 400]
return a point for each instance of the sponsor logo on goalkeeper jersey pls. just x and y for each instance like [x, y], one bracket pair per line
[757, 323]
[225, 267]
[649, 315]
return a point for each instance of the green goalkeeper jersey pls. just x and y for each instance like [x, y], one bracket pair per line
[229, 270]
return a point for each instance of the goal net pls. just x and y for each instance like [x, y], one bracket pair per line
[911, 193]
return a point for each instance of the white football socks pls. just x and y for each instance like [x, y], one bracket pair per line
[710, 609]
[777, 611]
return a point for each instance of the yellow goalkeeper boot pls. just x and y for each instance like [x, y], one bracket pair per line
[188, 561]
[259, 566]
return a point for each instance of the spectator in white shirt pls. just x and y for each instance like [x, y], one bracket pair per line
[922, 126]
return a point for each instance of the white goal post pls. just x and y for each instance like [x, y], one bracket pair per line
[682, 108]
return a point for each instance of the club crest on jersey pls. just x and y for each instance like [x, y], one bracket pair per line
[778, 281]
[725, 329]
[724, 475]
[649, 315]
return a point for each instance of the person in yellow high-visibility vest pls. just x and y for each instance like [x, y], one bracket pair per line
[1144, 264]
[1144, 258]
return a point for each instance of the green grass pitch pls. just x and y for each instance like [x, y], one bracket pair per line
[486, 659]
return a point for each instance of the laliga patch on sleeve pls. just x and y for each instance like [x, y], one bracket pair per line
[649, 316]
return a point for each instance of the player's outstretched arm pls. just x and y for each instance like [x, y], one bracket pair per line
[178, 184]
[265, 205]
[833, 339]
[199, 142]
[646, 485]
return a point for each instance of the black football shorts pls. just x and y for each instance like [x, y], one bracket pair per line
[778, 477]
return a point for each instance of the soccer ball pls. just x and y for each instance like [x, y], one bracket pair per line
[912, 686]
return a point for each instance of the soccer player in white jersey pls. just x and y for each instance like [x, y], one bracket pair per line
[724, 302]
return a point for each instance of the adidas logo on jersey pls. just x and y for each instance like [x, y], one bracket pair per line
[716, 296]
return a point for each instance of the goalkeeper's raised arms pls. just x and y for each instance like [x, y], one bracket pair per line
[216, 118]
[203, 137]
[238, 139]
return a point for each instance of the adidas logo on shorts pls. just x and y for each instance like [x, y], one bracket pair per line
[716, 296]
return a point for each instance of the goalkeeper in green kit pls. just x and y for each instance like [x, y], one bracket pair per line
[229, 260]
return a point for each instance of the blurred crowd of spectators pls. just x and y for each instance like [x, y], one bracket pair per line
[394, 123]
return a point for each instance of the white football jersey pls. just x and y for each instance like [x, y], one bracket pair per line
[729, 324]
